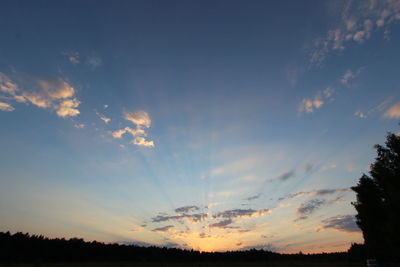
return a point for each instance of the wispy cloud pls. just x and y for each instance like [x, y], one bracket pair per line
[345, 223]
[359, 20]
[378, 108]
[235, 167]
[6, 107]
[142, 120]
[320, 192]
[393, 112]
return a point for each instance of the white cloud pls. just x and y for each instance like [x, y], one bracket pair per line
[349, 75]
[139, 118]
[55, 94]
[103, 118]
[142, 120]
[73, 56]
[328, 92]
[68, 108]
[6, 85]
[133, 132]
[358, 22]
[141, 141]
[6, 107]
[38, 99]
[19, 98]
[393, 112]
[235, 167]
[79, 126]
[56, 89]
[309, 105]
[360, 114]
[94, 61]
[328, 166]
[118, 133]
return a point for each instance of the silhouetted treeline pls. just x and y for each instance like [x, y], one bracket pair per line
[22, 247]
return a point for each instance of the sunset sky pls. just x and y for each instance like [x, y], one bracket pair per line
[210, 125]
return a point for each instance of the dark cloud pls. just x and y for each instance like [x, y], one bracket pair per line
[240, 213]
[309, 207]
[345, 223]
[163, 229]
[286, 175]
[203, 235]
[267, 236]
[253, 197]
[222, 224]
[308, 167]
[192, 217]
[320, 192]
[186, 209]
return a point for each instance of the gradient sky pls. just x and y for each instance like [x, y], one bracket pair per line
[212, 125]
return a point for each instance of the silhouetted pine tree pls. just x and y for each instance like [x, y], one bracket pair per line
[378, 202]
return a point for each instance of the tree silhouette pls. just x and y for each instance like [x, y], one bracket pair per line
[20, 247]
[378, 202]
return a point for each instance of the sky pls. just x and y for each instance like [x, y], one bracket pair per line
[208, 125]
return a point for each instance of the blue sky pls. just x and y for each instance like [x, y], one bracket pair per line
[212, 125]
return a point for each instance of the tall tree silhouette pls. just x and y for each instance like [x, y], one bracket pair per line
[378, 201]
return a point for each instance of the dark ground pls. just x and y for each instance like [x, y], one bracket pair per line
[202, 264]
